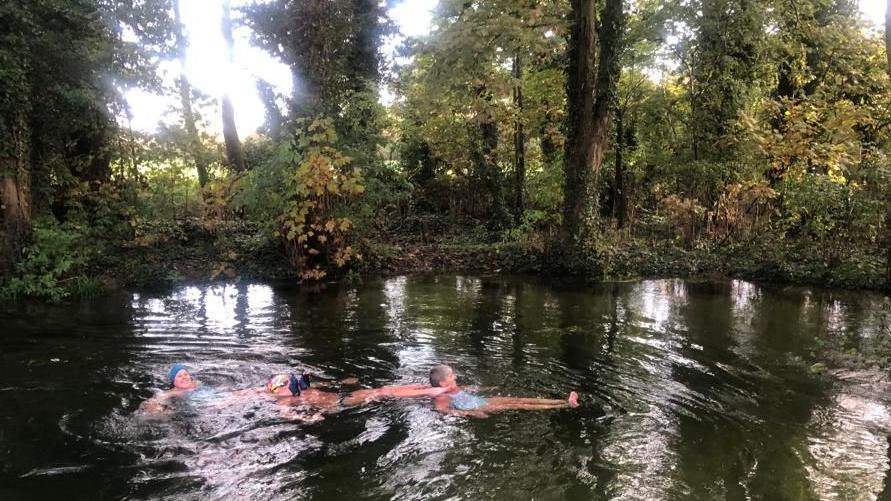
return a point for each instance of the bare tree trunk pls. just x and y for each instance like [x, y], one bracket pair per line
[519, 142]
[185, 97]
[587, 114]
[234, 153]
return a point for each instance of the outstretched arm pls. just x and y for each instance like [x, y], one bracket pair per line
[412, 391]
[360, 397]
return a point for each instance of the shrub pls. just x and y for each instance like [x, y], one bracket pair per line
[53, 260]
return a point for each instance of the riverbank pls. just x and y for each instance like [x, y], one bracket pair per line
[160, 256]
[630, 258]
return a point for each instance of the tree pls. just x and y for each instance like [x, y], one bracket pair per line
[14, 134]
[588, 102]
[728, 40]
[234, 153]
[465, 89]
[58, 88]
[312, 38]
[185, 98]
[519, 140]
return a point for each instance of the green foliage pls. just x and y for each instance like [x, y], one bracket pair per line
[52, 264]
[330, 46]
[314, 223]
[828, 212]
[754, 142]
[262, 197]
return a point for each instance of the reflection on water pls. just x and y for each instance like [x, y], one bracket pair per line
[691, 390]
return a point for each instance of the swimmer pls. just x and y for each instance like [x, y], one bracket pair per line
[293, 390]
[454, 400]
[180, 382]
[290, 391]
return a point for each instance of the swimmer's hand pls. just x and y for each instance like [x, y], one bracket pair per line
[350, 380]
[154, 407]
[436, 391]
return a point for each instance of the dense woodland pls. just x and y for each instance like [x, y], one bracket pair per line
[610, 138]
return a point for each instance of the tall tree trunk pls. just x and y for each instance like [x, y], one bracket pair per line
[579, 155]
[185, 97]
[519, 142]
[619, 181]
[234, 153]
[15, 148]
[888, 191]
[14, 194]
[485, 156]
[587, 109]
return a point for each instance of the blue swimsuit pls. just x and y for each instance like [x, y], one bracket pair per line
[464, 401]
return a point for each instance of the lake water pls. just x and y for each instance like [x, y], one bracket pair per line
[689, 390]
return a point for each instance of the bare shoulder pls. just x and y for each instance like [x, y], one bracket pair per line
[441, 402]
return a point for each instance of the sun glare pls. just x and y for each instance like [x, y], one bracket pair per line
[210, 73]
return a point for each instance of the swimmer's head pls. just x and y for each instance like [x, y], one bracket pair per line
[278, 384]
[179, 377]
[442, 376]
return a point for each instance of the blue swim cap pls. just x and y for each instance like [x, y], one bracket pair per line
[174, 371]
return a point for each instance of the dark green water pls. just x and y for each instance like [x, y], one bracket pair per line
[690, 390]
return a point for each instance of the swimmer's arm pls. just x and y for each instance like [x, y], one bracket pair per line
[157, 404]
[234, 396]
[414, 391]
